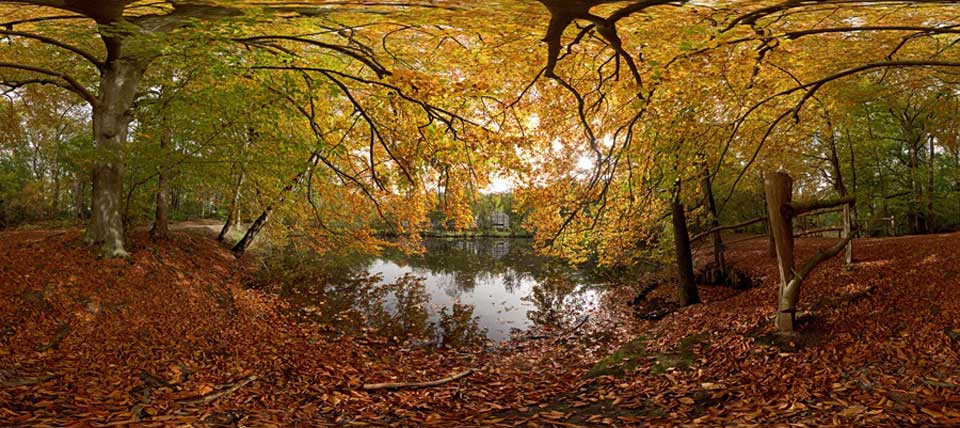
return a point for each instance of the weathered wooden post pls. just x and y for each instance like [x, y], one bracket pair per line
[779, 190]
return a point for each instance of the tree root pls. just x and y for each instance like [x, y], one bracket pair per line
[62, 331]
[401, 385]
[224, 390]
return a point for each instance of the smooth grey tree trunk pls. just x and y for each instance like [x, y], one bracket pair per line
[714, 222]
[841, 188]
[111, 120]
[241, 247]
[161, 222]
[233, 217]
[931, 171]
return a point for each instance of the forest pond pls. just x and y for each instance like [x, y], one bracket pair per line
[459, 292]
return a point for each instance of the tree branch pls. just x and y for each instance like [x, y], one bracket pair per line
[357, 54]
[798, 208]
[53, 42]
[798, 276]
[72, 84]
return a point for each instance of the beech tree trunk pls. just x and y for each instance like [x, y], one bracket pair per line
[847, 230]
[161, 229]
[779, 190]
[55, 205]
[241, 247]
[841, 188]
[853, 173]
[79, 200]
[111, 120]
[883, 187]
[714, 222]
[233, 217]
[915, 214]
[771, 248]
[956, 178]
[681, 238]
[931, 170]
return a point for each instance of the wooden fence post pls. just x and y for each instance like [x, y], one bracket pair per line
[779, 190]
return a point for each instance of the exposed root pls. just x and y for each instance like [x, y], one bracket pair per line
[62, 331]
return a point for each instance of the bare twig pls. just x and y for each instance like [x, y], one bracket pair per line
[402, 385]
[225, 390]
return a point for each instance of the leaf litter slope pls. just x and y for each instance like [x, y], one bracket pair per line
[171, 337]
[149, 335]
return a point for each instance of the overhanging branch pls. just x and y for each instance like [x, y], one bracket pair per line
[354, 53]
[54, 42]
[71, 83]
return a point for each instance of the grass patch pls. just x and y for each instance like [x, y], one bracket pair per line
[624, 359]
[634, 353]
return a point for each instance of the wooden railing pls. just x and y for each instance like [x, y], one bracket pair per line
[781, 211]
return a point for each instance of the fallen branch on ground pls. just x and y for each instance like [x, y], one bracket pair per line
[224, 390]
[400, 385]
[25, 381]
[45, 238]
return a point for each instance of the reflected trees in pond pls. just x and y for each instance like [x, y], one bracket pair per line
[550, 297]
[460, 327]
[431, 297]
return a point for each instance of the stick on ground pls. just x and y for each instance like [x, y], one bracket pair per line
[401, 385]
[227, 389]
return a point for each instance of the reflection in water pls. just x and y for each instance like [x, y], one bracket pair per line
[458, 292]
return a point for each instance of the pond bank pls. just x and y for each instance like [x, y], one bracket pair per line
[171, 336]
[148, 339]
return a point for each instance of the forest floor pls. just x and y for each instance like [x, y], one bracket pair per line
[173, 337]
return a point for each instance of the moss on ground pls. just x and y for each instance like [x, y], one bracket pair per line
[634, 354]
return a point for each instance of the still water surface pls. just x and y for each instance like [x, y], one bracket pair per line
[458, 292]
